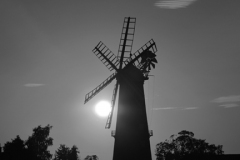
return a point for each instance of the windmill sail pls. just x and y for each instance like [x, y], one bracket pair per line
[126, 40]
[106, 82]
[106, 56]
[109, 120]
[135, 59]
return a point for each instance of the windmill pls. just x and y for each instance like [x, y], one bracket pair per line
[131, 70]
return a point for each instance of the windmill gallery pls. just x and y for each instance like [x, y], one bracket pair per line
[131, 70]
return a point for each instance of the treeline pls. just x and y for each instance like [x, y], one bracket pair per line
[178, 147]
[185, 146]
[36, 148]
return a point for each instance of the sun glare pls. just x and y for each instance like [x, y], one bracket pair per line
[103, 108]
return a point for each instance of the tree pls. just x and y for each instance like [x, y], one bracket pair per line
[184, 145]
[93, 157]
[62, 153]
[74, 153]
[14, 150]
[38, 143]
[65, 153]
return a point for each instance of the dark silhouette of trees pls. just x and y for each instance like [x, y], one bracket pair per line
[74, 153]
[93, 157]
[65, 153]
[37, 144]
[62, 153]
[185, 145]
[34, 148]
[14, 149]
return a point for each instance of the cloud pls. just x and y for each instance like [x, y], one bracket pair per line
[166, 108]
[229, 105]
[227, 99]
[33, 85]
[173, 4]
[190, 108]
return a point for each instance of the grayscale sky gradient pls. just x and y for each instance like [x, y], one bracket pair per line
[47, 66]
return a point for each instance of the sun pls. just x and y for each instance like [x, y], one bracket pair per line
[103, 108]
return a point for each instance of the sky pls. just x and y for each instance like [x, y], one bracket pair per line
[47, 66]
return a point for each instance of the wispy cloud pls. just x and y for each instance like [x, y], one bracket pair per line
[229, 105]
[174, 4]
[227, 99]
[181, 108]
[190, 108]
[165, 108]
[33, 85]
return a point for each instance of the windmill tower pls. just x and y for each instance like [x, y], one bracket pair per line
[131, 70]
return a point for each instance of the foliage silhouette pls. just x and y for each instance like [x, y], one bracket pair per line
[65, 153]
[36, 148]
[184, 145]
[74, 153]
[37, 144]
[62, 153]
[14, 149]
[93, 157]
